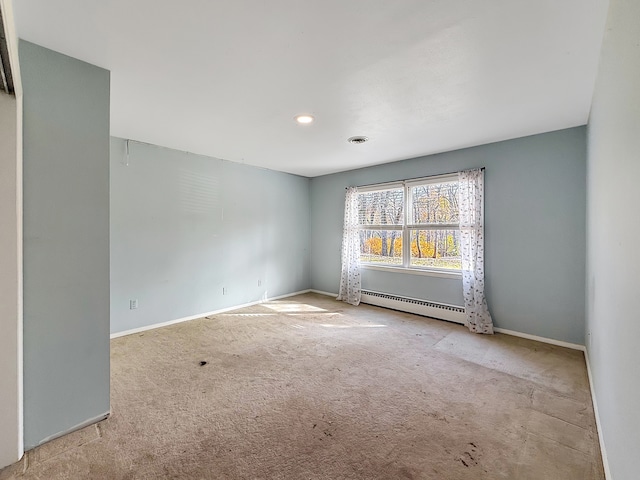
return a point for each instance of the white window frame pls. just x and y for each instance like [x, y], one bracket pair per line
[406, 228]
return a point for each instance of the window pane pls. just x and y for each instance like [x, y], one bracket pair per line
[381, 208]
[382, 247]
[434, 203]
[435, 248]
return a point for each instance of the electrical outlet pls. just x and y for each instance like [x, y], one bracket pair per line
[133, 304]
[224, 290]
[259, 283]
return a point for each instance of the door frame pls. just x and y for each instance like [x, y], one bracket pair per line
[11, 302]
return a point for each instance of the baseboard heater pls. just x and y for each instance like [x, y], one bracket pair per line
[425, 308]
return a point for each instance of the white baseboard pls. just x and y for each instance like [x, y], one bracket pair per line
[328, 294]
[201, 315]
[603, 450]
[285, 296]
[79, 426]
[559, 343]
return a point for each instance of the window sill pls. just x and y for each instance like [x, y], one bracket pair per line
[414, 271]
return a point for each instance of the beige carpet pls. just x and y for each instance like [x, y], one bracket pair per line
[311, 388]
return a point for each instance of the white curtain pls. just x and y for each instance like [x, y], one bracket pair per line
[350, 283]
[478, 318]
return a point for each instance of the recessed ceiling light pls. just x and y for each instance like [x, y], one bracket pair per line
[304, 118]
[358, 139]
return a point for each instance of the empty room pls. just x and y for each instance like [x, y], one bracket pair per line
[319, 240]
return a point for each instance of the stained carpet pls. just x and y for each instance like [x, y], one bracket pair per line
[311, 388]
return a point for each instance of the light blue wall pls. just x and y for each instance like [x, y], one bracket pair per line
[534, 226]
[66, 242]
[184, 226]
[613, 258]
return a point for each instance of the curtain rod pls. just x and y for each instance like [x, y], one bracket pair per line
[414, 178]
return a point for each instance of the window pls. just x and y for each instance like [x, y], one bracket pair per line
[413, 224]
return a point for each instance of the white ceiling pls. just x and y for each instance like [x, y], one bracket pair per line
[225, 78]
